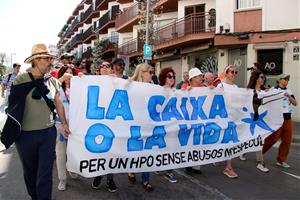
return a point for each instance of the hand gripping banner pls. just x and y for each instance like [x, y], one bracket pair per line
[121, 126]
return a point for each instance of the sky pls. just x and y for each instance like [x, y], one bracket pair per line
[28, 22]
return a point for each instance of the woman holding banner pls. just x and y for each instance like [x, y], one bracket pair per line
[142, 73]
[106, 68]
[285, 131]
[228, 84]
[256, 83]
[64, 76]
[167, 79]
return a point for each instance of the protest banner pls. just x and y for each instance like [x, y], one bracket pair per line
[121, 126]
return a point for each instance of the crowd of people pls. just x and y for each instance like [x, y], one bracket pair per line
[36, 144]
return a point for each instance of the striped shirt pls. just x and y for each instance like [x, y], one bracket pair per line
[7, 83]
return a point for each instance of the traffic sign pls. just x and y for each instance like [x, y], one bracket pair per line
[147, 52]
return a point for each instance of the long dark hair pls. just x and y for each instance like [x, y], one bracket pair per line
[253, 78]
[163, 75]
[61, 72]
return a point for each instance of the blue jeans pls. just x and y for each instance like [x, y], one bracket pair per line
[145, 177]
[36, 150]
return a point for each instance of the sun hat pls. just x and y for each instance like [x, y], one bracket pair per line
[194, 72]
[284, 76]
[39, 51]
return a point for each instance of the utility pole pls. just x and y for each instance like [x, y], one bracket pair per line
[147, 25]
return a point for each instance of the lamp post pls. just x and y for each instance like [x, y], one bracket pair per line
[11, 58]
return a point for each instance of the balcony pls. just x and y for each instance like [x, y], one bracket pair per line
[107, 20]
[131, 48]
[88, 53]
[76, 40]
[89, 14]
[88, 35]
[185, 31]
[128, 18]
[102, 4]
[166, 6]
[73, 28]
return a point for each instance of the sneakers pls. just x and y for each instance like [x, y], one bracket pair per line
[96, 182]
[171, 177]
[62, 185]
[283, 164]
[111, 186]
[242, 157]
[230, 173]
[73, 175]
[262, 168]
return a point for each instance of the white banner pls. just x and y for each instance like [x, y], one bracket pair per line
[121, 126]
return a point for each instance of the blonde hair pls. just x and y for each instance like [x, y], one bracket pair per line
[143, 67]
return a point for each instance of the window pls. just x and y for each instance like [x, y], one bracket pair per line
[244, 4]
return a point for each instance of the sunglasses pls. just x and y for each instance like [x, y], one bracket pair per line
[105, 66]
[169, 76]
[233, 72]
[262, 77]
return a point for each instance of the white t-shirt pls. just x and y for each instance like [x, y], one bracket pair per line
[227, 86]
[286, 104]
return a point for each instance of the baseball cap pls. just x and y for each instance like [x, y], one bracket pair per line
[284, 76]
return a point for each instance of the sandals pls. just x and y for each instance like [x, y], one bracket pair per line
[148, 187]
[131, 178]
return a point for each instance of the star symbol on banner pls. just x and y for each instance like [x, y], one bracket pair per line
[259, 122]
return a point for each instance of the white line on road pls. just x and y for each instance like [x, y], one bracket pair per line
[203, 185]
[295, 176]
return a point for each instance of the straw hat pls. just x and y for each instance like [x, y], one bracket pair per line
[39, 51]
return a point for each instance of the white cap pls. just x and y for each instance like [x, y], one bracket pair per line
[194, 72]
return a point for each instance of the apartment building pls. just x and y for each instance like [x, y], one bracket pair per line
[208, 34]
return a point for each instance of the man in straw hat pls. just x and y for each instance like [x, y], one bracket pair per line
[36, 143]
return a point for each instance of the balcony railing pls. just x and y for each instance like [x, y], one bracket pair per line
[191, 24]
[87, 34]
[132, 46]
[113, 39]
[127, 15]
[87, 13]
[107, 17]
[76, 40]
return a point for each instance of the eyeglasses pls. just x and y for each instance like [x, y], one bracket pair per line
[262, 77]
[233, 72]
[169, 76]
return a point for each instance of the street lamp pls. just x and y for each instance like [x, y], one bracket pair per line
[11, 60]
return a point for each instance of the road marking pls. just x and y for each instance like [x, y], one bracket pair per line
[203, 185]
[295, 176]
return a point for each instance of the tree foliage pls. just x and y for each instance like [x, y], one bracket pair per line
[100, 47]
